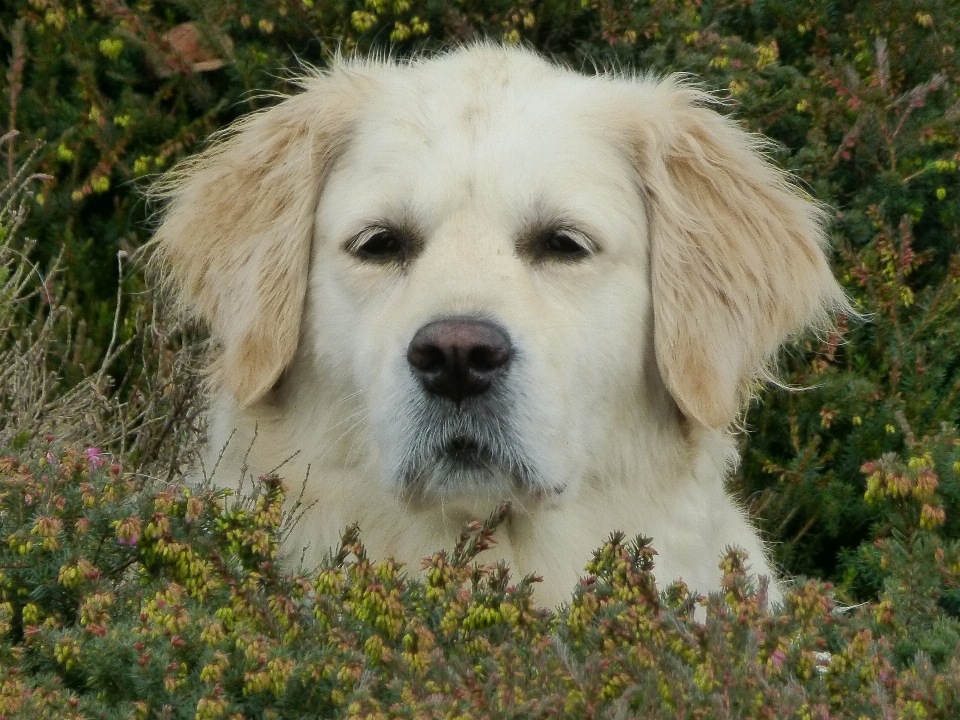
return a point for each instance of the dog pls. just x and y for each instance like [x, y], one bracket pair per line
[440, 284]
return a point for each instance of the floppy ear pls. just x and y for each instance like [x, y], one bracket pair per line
[737, 253]
[235, 236]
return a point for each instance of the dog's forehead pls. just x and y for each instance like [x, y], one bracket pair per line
[489, 124]
[476, 94]
[514, 106]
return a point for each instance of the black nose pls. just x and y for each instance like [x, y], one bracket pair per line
[458, 358]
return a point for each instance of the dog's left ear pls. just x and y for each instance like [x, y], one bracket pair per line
[237, 228]
[737, 252]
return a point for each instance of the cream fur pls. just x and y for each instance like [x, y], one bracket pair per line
[631, 364]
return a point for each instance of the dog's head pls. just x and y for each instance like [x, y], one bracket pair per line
[508, 263]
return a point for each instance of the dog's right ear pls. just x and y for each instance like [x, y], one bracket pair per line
[235, 234]
[738, 253]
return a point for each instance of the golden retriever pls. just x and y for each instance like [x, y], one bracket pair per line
[444, 283]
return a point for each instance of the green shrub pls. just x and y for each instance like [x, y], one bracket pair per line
[147, 417]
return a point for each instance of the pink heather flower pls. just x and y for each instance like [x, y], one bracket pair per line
[128, 531]
[94, 457]
[777, 657]
[51, 458]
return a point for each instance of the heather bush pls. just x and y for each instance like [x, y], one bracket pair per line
[125, 598]
[127, 594]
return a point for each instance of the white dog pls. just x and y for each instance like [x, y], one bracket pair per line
[445, 283]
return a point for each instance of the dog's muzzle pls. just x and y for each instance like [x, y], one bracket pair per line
[460, 357]
[461, 436]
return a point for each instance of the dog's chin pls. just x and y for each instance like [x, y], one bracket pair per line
[467, 476]
[461, 467]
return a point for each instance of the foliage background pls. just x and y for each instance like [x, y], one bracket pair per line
[855, 478]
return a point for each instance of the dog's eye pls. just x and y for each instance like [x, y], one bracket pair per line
[380, 245]
[561, 245]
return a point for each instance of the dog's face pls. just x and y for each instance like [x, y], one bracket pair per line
[493, 267]
[481, 267]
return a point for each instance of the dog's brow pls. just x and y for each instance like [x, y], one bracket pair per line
[542, 226]
[403, 228]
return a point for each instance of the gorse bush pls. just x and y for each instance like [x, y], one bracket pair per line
[126, 596]
[880, 146]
